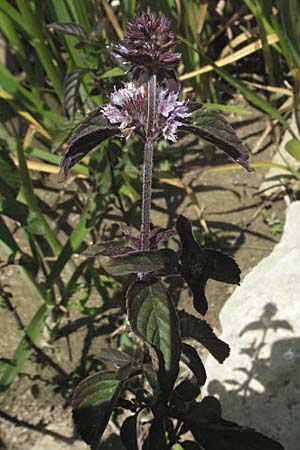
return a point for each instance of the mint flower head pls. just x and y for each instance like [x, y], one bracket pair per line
[128, 108]
[147, 46]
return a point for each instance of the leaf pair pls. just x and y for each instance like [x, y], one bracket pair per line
[124, 260]
[209, 124]
[198, 264]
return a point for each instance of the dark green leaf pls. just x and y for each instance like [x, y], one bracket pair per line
[128, 433]
[289, 19]
[201, 331]
[214, 433]
[10, 181]
[156, 439]
[15, 210]
[93, 130]
[190, 445]
[225, 269]
[71, 88]
[211, 125]
[152, 316]
[199, 264]
[191, 358]
[74, 29]
[163, 261]
[188, 390]
[195, 268]
[93, 401]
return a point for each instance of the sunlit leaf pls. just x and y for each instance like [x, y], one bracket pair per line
[152, 316]
[93, 402]
[201, 331]
[293, 148]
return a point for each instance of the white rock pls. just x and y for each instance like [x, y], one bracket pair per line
[259, 384]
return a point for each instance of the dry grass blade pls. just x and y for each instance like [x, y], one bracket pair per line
[44, 167]
[235, 42]
[112, 17]
[173, 181]
[258, 144]
[26, 115]
[268, 88]
[202, 13]
[224, 27]
[245, 51]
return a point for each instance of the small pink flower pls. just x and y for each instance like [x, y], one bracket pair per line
[128, 107]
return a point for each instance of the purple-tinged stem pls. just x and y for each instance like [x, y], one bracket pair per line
[148, 163]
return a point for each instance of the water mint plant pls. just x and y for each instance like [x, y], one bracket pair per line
[147, 380]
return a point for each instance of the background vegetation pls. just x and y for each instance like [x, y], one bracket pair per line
[55, 67]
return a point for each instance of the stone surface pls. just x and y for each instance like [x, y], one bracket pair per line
[259, 384]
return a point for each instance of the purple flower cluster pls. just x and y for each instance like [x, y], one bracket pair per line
[128, 108]
[147, 46]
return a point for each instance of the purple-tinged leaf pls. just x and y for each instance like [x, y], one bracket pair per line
[71, 88]
[163, 261]
[93, 130]
[93, 401]
[152, 316]
[160, 235]
[131, 235]
[72, 28]
[156, 439]
[201, 331]
[108, 248]
[114, 356]
[210, 125]
[128, 433]
[190, 357]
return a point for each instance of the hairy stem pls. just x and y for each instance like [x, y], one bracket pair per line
[148, 162]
